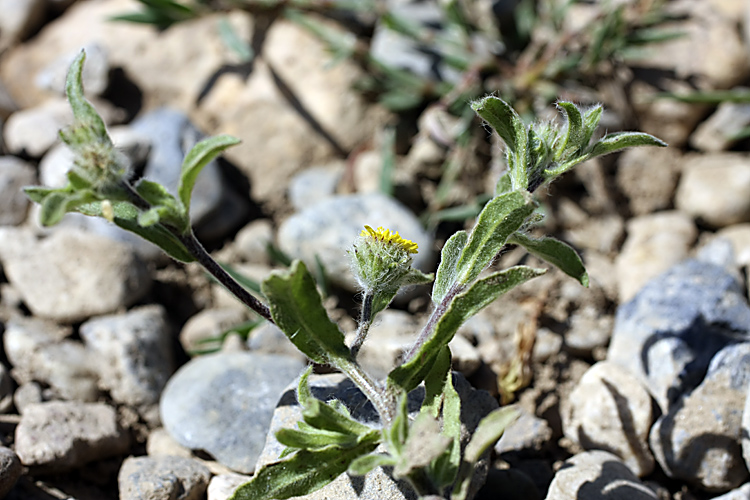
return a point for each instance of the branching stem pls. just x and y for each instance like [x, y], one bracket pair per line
[432, 322]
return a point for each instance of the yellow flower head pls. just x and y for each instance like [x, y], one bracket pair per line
[387, 236]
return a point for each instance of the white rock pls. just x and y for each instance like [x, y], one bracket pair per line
[39, 352]
[716, 133]
[60, 436]
[71, 276]
[33, 131]
[14, 175]
[132, 353]
[596, 475]
[739, 235]
[314, 184]
[161, 443]
[648, 177]
[19, 19]
[252, 241]
[610, 410]
[715, 188]
[654, 243]
[222, 486]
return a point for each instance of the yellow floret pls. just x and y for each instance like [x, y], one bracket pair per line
[388, 236]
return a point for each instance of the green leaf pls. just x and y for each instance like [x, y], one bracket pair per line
[504, 119]
[87, 126]
[234, 42]
[556, 252]
[304, 472]
[621, 140]
[447, 272]
[424, 445]
[197, 158]
[126, 217]
[466, 304]
[489, 430]
[364, 464]
[500, 218]
[434, 383]
[297, 310]
[591, 118]
[504, 184]
[59, 202]
[575, 134]
[325, 416]
[315, 439]
[164, 206]
[397, 433]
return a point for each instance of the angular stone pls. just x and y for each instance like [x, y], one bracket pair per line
[162, 478]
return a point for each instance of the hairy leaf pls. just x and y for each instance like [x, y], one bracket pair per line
[488, 431]
[297, 310]
[556, 252]
[500, 218]
[621, 140]
[304, 472]
[575, 133]
[197, 158]
[447, 270]
[364, 464]
[466, 304]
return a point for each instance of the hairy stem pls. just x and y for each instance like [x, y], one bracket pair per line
[374, 392]
[429, 327]
[195, 248]
[209, 264]
[365, 320]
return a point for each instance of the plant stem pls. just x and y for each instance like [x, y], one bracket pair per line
[195, 249]
[209, 264]
[365, 320]
[429, 327]
[374, 392]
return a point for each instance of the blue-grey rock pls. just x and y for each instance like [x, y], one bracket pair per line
[14, 175]
[213, 208]
[132, 353]
[698, 441]
[597, 475]
[668, 333]
[378, 484]
[162, 478]
[313, 185]
[328, 229]
[222, 403]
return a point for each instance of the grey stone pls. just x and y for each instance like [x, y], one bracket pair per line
[527, 435]
[597, 475]
[162, 478]
[704, 193]
[6, 391]
[132, 352]
[667, 335]
[589, 329]
[14, 175]
[95, 73]
[739, 236]
[59, 436]
[27, 394]
[313, 185]
[377, 484]
[222, 403]
[72, 275]
[173, 135]
[207, 325]
[327, 229]
[391, 333]
[698, 441]
[7, 106]
[159, 443]
[38, 352]
[610, 410]
[269, 339]
[648, 177]
[718, 131]
[252, 241]
[34, 131]
[10, 470]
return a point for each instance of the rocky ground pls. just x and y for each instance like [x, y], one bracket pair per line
[635, 387]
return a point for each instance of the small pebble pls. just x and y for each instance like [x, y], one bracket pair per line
[14, 175]
[10, 470]
[162, 478]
